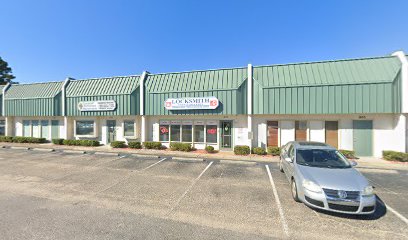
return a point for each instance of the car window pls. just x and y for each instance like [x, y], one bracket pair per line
[323, 158]
[290, 151]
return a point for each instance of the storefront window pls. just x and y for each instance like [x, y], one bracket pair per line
[2, 127]
[199, 133]
[85, 128]
[129, 127]
[164, 131]
[175, 133]
[187, 133]
[211, 133]
[26, 128]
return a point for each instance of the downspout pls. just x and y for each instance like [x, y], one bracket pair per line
[142, 108]
[249, 102]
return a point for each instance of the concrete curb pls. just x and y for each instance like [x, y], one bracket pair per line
[20, 148]
[144, 155]
[240, 162]
[43, 149]
[188, 159]
[73, 151]
[107, 153]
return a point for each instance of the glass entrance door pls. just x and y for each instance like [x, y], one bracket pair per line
[111, 135]
[226, 134]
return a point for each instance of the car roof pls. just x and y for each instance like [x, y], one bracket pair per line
[311, 145]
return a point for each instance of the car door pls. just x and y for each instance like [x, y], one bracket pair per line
[289, 165]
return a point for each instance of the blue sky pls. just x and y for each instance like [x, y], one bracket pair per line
[51, 40]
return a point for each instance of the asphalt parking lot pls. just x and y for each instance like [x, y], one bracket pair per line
[56, 195]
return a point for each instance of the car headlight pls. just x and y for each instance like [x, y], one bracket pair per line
[311, 186]
[368, 191]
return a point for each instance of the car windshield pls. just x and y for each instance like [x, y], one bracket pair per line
[324, 158]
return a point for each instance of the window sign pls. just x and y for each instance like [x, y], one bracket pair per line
[191, 103]
[198, 122]
[85, 128]
[108, 105]
[187, 122]
[164, 122]
[175, 122]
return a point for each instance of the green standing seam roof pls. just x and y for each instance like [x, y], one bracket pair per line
[35, 90]
[367, 85]
[37, 99]
[228, 85]
[123, 90]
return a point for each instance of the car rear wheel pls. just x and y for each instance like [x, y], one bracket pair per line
[294, 191]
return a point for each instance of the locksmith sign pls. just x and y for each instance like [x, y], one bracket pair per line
[191, 103]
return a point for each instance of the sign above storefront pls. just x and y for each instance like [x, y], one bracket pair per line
[108, 105]
[191, 103]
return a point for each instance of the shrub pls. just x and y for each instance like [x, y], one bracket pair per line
[153, 145]
[348, 154]
[136, 145]
[395, 156]
[210, 149]
[27, 140]
[57, 141]
[6, 139]
[118, 144]
[85, 143]
[242, 150]
[184, 147]
[274, 151]
[258, 151]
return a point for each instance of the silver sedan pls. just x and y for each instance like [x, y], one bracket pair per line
[321, 177]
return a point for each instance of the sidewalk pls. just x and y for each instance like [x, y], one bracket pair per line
[200, 154]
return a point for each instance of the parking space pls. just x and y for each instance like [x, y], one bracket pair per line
[199, 198]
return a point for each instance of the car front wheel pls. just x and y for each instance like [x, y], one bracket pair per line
[294, 191]
[280, 165]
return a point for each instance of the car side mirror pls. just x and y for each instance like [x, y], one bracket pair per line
[288, 159]
[353, 163]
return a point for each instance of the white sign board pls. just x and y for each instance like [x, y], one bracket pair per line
[191, 103]
[108, 105]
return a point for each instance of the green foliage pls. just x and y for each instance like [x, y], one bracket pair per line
[5, 72]
[135, 145]
[6, 139]
[57, 141]
[153, 145]
[274, 151]
[395, 156]
[242, 150]
[22, 139]
[258, 151]
[210, 149]
[348, 154]
[184, 147]
[118, 144]
[84, 143]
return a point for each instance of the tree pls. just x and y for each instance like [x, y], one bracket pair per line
[5, 73]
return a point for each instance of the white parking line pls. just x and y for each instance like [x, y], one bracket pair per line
[404, 219]
[154, 164]
[278, 203]
[189, 188]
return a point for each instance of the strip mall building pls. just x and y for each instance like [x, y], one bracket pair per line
[353, 104]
